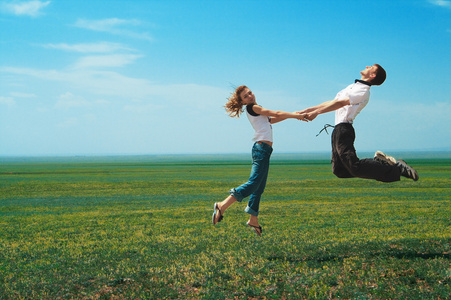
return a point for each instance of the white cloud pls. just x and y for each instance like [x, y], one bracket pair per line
[113, 84]
[114, 60]
[105, 83]
[70, 122]
[101, 47]
[143, 108]
[441, 3]
[28, 8]
[22, 95]
[101, 102]
[47, 74]
[107, 25]
[9, 101]
[69, 100]
[90, 117]
[114, 26]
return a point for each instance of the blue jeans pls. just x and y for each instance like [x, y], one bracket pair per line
[255, 186]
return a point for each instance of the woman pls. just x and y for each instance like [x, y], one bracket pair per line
[261, 120]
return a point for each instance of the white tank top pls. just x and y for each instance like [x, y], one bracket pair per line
[261, 125]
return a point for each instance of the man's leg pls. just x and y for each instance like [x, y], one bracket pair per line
[365, 168]
[406, 170]
[370, 169]
[338, 168]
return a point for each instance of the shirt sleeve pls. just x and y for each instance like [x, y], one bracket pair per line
[343, 94]
[250, 110]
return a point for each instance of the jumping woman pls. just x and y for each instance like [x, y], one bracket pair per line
[261, 120]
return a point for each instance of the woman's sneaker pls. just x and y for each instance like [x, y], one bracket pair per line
[383, 158]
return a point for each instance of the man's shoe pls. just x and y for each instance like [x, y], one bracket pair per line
[383, 158]
[407, 171]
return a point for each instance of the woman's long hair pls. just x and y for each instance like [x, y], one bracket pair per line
[234, 105]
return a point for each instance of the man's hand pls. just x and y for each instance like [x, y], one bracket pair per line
[302, 116]
[311, 116]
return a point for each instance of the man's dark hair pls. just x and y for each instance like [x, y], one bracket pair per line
[380, 76]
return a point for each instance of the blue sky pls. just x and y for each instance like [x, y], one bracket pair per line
[150, 77]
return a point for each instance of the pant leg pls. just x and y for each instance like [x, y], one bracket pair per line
[254, 200]
[344, 136]
[341, 142]
[261, 153]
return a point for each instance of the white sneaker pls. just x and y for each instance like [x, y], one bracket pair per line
[384, 158]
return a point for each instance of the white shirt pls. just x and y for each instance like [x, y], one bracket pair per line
[261, 125]
[359, 95]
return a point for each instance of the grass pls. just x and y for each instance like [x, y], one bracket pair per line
[142, 230]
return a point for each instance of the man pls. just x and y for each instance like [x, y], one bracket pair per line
[347, 104]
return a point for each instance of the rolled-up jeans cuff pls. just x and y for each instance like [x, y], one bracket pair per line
[235, 194]
[251, 211]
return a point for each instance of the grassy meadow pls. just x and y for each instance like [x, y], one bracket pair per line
[141, 229]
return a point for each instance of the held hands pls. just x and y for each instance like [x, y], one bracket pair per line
[311, 116]
[307, 115]
[302, 117]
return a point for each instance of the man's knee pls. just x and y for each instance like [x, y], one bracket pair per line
[342, 174]
[340, 171]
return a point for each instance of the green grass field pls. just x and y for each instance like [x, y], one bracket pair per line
[141, 229]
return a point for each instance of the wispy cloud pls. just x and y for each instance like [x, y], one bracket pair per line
[101, 47]
[9, 101]
[114, 26]
[25, 8]
[105, 83]
[441, 3]
[69, 100]
[112, 56]
[70, 122]
[114, 60]
[22, 95]
[113, 84]
[108, 25]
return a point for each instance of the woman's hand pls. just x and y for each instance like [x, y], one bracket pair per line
[302, 116]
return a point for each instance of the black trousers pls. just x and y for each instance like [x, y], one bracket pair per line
[346, 164]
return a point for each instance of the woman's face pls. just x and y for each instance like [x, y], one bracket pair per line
[247, 96]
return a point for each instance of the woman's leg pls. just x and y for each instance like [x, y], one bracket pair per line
[222, 206]
[253, 205]
[261, 153]
[253, 222]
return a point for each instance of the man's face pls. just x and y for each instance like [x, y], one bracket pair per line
[369, 72]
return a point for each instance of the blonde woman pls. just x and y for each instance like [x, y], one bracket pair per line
[261, 119]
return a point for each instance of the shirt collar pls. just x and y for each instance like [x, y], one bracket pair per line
[362, 82]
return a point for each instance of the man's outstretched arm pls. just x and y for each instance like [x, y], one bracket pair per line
[323, 108]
